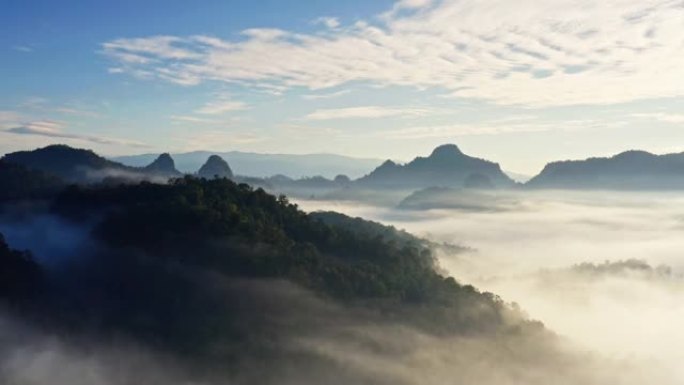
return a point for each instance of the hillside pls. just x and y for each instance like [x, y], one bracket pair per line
[19, 182]
[446, 166]
[225, 279]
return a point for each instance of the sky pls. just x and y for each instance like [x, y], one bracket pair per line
[521, 82]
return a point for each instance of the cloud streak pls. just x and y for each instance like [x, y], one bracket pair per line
[52, 129]
[365, 112]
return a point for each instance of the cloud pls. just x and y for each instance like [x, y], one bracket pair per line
[326, 96]
[661, 117]
[365, 112]
[52, 129]
[23, 48]
[221, 107]
[556, 52]
[217, 140]
[330, 22]
[514, 124]
[77, 112]
[406, 5]
[191, 119]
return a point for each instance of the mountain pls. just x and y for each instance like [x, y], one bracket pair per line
[447, 166]
[71, 164]
[163, 166]
[75, 165]
[465, 199]
[265, 165]
[630, 170]
[215, 167]
[192, 237]
[210, 281]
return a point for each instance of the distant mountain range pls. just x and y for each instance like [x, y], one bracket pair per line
[266, 165]
[446, 166]
[630, 170]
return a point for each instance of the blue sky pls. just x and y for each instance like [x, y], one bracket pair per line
[521, 84]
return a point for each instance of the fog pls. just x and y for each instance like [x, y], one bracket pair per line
[600, 270]
[527, 253]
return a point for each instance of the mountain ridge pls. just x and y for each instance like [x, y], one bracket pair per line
[446, 166]
[632, 169]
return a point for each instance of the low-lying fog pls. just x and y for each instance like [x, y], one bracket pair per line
[603, 269]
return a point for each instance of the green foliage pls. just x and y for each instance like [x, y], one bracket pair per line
[240, 231]
[20, 276]
[19, 182]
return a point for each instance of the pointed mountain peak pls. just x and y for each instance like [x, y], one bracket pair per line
[163, 164]
[387, 163]
[215, 167]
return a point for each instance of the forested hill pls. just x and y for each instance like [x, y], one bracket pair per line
[221, 275]
[240, 231]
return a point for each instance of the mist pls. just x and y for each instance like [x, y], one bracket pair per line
[601, 269]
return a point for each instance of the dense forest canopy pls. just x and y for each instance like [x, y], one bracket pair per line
[169, 262]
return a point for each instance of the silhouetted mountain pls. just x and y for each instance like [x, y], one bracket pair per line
[84, 166]
[627, 170]
[71, 164]
[478, 181]
[265, 165]
[342, 179]
[163, 165]
[215, 167]
[466, 199]
[446, 166]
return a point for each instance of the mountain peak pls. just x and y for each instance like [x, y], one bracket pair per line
[163, 164]
[446, 150]
[215, 167]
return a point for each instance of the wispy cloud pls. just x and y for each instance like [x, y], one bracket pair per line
[494, 127]
[555, 52]
[330, 22]
[366, 112]
[53, 129]
[327, 95]
[22, 48]
[218, 140]
[76, 112]
[221, 107]
[661, 117]
[192, 119]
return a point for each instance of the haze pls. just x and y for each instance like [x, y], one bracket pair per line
[386, 192]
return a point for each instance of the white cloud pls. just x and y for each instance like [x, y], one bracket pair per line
[55, 130]
[513, 124]
[221, 107]
[326, 96]
[661, 117]
[330, 22]
[365, 112]
[528, 52]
